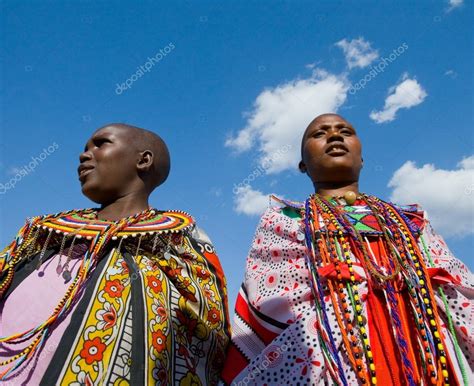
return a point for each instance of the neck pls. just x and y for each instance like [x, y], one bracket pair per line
[124, 207]
[335, 189]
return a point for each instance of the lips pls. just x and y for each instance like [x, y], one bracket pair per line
[83, 170]
[337, 149]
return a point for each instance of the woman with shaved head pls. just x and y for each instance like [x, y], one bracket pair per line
[120, 294]
[347, 289]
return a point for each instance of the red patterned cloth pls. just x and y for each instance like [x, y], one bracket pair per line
[275, 339]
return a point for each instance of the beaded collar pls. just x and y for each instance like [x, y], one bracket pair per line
[84, 224]
[360, 215]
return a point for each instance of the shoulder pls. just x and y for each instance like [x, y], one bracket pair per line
[281, 222]
[414, 213]
[198, 234]
[280, 207]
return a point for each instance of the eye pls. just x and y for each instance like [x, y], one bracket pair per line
[346, 132]
[318, 134]
[100, 141]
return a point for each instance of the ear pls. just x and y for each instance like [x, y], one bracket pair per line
[145, 160]
[302, 167]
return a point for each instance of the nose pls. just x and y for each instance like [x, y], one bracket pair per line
[83, 157]
[335, 135]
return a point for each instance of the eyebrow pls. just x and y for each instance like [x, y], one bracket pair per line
[95, 137]
[337, 125]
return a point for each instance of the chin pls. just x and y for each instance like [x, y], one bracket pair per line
[95, 195]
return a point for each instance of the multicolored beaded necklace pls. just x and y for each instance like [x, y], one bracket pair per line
[151, 227]
[331, 238]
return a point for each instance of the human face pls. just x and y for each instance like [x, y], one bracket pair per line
[331, 150]
[107, 169]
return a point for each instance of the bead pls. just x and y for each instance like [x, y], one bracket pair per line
[350, 197]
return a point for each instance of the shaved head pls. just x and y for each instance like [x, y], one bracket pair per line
[142, 140]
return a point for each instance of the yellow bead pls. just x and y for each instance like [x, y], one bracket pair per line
[366, 341]
[362, 330]
[436, 334]
[359, 318]
[445, 373]
[374, 381]
[369, 354]
[356, 297]
[423, 291]
[358, 308]
[440, 347]
[442, 359]
[372, 366]
[428, 310]
[422, 282]
[426, 301]
[350, 197]
[432, 322]
[419, 273]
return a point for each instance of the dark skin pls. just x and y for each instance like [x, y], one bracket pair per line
[120, 166]
[331, 155]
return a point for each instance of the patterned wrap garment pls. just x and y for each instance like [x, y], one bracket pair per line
[275, 332]
[152, 311]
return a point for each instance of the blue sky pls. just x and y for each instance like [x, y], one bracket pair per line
[236, 82]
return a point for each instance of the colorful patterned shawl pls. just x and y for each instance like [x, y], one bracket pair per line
[153, 310]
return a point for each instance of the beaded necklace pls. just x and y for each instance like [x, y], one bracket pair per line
[403, 263]
[79, 224]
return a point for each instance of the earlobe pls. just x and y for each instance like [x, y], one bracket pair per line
[302, 167]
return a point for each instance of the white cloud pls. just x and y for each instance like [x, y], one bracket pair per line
[454, 4]
[358, 52]
[281, 114]
[408, 93]
[250, 202]
[453, 74]
[447, 195]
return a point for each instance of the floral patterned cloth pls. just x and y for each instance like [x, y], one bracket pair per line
[275, 338]
[142, 319]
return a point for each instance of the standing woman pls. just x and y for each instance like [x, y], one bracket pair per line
[346, 289]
